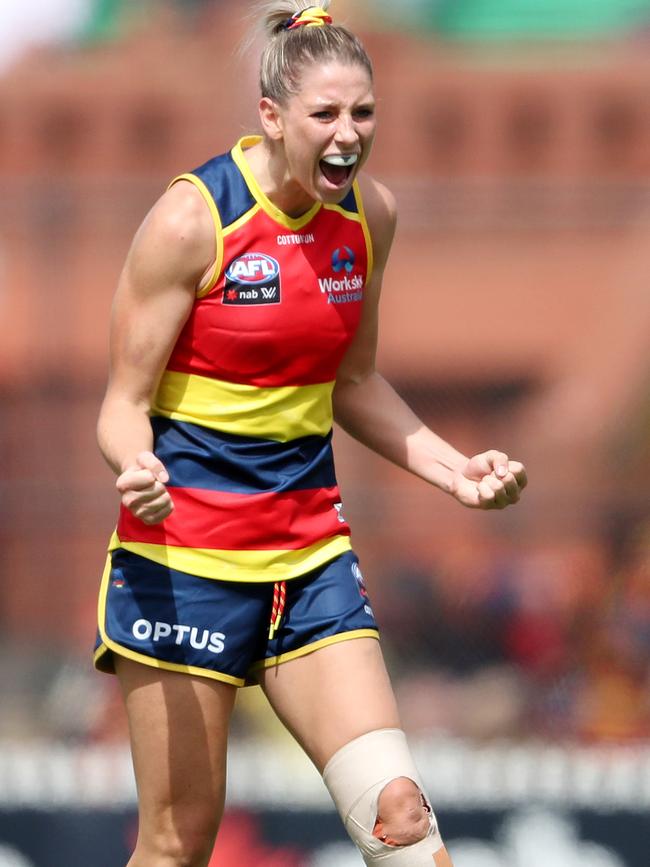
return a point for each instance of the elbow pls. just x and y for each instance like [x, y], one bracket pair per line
[348, 394]
[353, 378]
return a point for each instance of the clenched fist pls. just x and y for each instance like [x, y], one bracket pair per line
[142, 486]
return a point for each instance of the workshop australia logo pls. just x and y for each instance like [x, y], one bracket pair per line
[253, 278]
[346, 286]
[343, 259]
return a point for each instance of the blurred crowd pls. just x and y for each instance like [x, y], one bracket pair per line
[524, 642]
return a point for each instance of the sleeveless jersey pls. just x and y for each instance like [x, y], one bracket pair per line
[242, 417]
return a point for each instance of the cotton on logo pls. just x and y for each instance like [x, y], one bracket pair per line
[534, 839]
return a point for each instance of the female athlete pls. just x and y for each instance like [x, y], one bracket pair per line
[244, 323]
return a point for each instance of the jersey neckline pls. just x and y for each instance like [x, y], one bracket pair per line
[260, 196]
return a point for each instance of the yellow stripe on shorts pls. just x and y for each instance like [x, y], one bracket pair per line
[245, 566]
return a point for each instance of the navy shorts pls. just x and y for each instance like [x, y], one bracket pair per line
[220, 629]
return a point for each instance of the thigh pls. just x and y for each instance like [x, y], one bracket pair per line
[328, 697]
[178, 726]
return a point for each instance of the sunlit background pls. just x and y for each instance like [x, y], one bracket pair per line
[516, 137]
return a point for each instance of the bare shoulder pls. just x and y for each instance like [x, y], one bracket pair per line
[381, 213]
[180, 216]
[377, 196]
[175, 243]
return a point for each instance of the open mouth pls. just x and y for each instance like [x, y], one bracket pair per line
[337, 168]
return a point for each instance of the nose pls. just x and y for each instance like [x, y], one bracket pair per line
[346, 133]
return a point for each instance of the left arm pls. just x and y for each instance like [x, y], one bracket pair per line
[370, 410]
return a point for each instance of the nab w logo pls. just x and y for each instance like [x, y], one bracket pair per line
[253, 278]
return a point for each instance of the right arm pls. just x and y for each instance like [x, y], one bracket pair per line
[171, 254]
[371, 411]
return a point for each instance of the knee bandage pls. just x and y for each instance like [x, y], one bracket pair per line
[356, 776]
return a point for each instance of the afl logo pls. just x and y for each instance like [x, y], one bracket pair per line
[343, 258]
[253, 278]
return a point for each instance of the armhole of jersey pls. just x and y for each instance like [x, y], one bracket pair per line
[215, 271]
[366, 230]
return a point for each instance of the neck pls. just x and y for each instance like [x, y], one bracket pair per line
[271, 172]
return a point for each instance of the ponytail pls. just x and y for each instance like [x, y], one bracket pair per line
[297, 35]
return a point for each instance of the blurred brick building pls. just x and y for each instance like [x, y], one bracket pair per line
[516, 309]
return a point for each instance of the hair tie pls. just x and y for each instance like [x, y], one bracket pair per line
[312, 16]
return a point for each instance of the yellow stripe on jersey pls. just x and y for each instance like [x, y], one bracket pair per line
[277, 413]
[349, 215]
[366, 232]
[246, 566]
[233, 227]
[215, 271]
[293, 223]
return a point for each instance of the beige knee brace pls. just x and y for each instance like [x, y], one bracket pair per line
[356, 776]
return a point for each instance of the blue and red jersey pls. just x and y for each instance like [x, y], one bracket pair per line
[242, 417]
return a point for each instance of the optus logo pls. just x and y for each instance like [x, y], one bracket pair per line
[177, 633]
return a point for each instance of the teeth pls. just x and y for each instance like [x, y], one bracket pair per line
[341, 159]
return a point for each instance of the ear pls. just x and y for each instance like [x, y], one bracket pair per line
[271, 118]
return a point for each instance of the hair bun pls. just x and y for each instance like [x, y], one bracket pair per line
[274, 15]
[312, 16]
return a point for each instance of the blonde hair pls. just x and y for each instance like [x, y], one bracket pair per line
[287, 52]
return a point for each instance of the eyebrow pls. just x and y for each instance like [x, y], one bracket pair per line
[322, 102]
